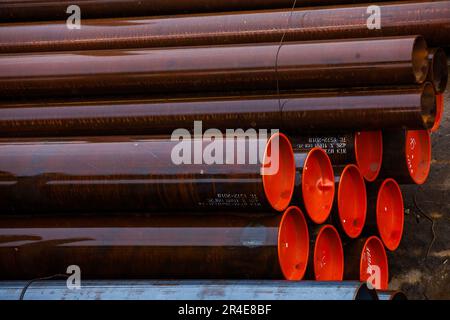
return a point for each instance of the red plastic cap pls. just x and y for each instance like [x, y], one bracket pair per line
[293, 244]
[390, 213]
[418, 154]
[439, 112]
[279, 184]
[352, 201]
[374, 264]
[318, 185]
[369, 153]
[328, 255]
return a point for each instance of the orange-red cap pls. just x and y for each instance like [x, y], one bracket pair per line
[352, 201]
[390, 213]
[328, 255]
[418, 154]
[279, 185]
[369, 153]
[318, 185]
[293, 244]
[374, 264]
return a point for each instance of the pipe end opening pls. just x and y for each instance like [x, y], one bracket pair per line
[328, 255]
[374, 264]
[369, 153]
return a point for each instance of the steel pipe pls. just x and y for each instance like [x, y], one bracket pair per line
[302, 112]
[350, 201]
[106, 174]
[152, 247]
[406, 156]
[326, 258]
[392, 295]
[363, 148]
[29, 10]
[385, 214]
[325, 64]
[366, 260]
[437, 70]
[314, 184]
[189, 290]
[428, 18]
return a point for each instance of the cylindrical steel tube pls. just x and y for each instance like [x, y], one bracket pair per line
[385, 214]
[428, 18]
[188, 246]
[406, 156]
[366, 260]
[105, 174]
[363, 148]
[437, 70]
[324, 64]
[350, 201]
[314, 184]
[347, 110]
[326, 254]
[30, 10]
[392, 295]
[189, 290]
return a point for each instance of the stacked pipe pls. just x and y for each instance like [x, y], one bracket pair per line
[89, 123]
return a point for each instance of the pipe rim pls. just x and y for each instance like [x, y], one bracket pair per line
[429, 107]
[418, 155]
[373, 253]
[328, 255]
[279, 187]
[390, 214]
[293, 230]
[369, 153]
[438, 69]
[352, 201]
[439, 112]
[318, 185]
[420, 59]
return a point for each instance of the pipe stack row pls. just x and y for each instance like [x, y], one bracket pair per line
[96, 170]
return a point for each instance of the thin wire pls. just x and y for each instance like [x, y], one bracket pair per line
[24, 290]
[288, 24]
[425, 215]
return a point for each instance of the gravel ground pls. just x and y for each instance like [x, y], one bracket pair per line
[421, 267]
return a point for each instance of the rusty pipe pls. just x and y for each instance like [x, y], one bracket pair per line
[437, 70]
[363, 148]
[326, 258]
[114, 174]
[30, 10]
[314, 111]
[314, 184]
[160, 246]
[428, 18]
[406, 156]
[366, 260]
[316, 64]
[385, 214]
